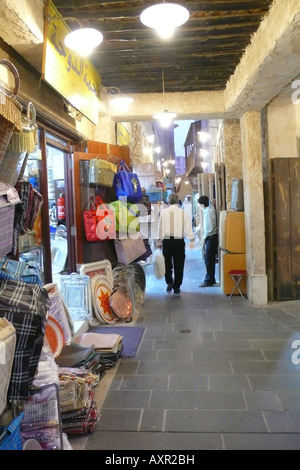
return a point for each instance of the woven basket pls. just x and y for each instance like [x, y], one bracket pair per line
[19, 145]
[102, 172]
[10, 110]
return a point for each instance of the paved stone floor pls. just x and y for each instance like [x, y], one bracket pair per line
[210, 374]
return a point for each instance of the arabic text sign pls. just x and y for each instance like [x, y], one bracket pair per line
[74, 77]
[123, 136]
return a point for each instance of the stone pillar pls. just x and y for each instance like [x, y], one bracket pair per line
[232, 155]
[251, 143]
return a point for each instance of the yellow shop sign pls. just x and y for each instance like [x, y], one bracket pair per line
[73, 76]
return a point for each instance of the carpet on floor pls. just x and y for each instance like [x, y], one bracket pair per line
[132, 336]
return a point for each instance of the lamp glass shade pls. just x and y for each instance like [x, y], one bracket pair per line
[165, 118]
[203, 136]
[164, 17]
[83, 40]
[204, 153]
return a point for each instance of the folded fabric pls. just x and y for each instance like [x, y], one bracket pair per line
[73, 354]
[98, 340]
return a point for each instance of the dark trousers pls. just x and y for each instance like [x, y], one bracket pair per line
[211, 251]
[174, 254]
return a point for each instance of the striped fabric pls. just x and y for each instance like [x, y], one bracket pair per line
[25, 306]
[7, 215]
[9, 199]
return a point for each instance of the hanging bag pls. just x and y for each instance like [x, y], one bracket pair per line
[129, 249]
[102, 172]
[99, 221]
[126, 217]
[127, 184]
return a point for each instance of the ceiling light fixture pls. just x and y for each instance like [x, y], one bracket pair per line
[82, 40]
[204, 153]
[120, 103]
[164, 18]
[165, 117]
[203, 136]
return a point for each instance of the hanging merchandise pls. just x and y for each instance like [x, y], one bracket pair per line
[99, 221]
[129, 249]
[127, 184]
[147, 253]
[126, 216]
[9, 199]
[61, 210]
[10, 110]
[27, 212]
[102, 172]
[20, 144]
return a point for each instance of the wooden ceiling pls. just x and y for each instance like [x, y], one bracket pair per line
[201, 56]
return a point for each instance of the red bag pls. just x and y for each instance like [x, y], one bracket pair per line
[99, 221]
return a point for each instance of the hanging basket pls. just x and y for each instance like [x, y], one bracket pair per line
[10, 110]
[102, 172]
[26, 140]
[20, 144]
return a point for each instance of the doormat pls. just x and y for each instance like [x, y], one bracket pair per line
[132, 336]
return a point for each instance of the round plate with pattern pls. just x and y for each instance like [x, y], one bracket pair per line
[101, 291]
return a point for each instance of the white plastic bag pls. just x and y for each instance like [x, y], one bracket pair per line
[159, 267]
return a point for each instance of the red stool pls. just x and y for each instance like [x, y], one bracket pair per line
[237, 275]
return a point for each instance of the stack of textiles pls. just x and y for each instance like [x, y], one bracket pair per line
[78, 408]
[109, 346]
[76, 356]
[42, 418]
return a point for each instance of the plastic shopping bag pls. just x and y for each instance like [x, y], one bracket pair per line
[159, 266]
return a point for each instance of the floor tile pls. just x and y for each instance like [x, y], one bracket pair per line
[209, 374]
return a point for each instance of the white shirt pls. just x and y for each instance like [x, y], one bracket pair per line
[188, 207]
[175, 222]
[209, 221]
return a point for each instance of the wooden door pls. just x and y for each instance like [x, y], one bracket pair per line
[286, 227]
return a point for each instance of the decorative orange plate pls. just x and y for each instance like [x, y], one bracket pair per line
[101, 292]
[55, 336]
